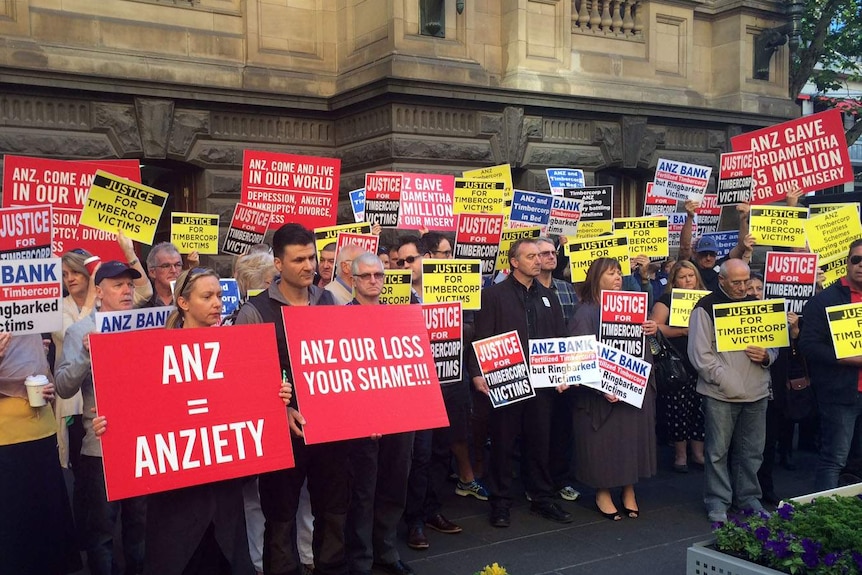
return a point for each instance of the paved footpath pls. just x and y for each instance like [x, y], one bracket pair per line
[672, 518]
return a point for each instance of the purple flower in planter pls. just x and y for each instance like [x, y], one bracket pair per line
[762, 533]
[857, 557]
[780, 549]
[785, 511]
[811, 554]
[717, 525]
[831, 559]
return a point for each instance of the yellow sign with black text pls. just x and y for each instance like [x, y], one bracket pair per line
[760, 322]
[115, 203]
[647, 236]
[397, 287]
[682, 302]
[194, 233]
[778, 226]
[831, 233]
[845, 323]
[582, 253]
[452, 280]
[473, 196]
[329, 235]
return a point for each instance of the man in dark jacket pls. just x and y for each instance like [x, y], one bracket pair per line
[837, 383]
[523, 304]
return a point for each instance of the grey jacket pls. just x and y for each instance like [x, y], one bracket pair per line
[727, 376]
[73, 372]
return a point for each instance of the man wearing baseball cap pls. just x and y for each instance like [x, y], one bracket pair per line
[94, 515]
[705, 253]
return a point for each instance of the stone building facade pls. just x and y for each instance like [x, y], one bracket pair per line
[186, 85]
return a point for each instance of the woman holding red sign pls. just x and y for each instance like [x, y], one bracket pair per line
[199, 529]
[614, 441]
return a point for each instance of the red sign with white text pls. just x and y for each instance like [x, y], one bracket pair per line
[501, 359]
[198, 405]
[248, 227]
[382, 198]
[64, 184]
[708, 214]
[25, 233]
[296, 189]
[445, 325]
[478, 237]
[654, 205]
[368, 242]
[426, 202]
[792, 276]
[735, 180]
[622, 317]
[371, 375]
[810, 152]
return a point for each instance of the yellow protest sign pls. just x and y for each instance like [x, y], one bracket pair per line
[396, 287]
[115, 203]
[452, 280]
[509, 237]
[817, 209]
[325, 236]
[594, 228]
[502, 172]
[194, 232]
[582, 253]
[831, 233]
[845, 323]
[778, 226]
[474, 196]
[740, 324]
[682, 302]
[833, 270]
[647, 236]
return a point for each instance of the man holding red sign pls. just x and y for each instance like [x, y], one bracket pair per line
[324, 465]
[523, 304]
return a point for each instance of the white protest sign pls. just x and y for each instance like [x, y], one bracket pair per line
[132, 319]
[564, 361]
[30, 295]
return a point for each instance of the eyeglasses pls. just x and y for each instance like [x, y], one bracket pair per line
[708, 254]
[176, 266]
[855, 260]
[444, 253]
[408, 260]
[379, 276]
[547, 254]
[189, 277]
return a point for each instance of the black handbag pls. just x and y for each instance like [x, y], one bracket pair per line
[671, 373]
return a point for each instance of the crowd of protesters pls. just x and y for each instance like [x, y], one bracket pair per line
[338, 510]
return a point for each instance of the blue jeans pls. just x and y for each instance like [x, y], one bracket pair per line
[837, 425]
[738, 429]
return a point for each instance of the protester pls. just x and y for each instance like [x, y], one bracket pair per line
[325, 465]
[705, 253]
[410, 252]
[96, 518]
[325, 265]
[735, 386]
[36, 531]
[614, 441]
[561, 452]
[164, 264]
[341, 287]
[685, 417]
[378, 466]
[837, 383]
[383, 255]
[523, 304]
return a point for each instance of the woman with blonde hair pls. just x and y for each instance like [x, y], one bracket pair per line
[685, 419]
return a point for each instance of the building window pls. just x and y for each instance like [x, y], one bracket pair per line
[432, 18]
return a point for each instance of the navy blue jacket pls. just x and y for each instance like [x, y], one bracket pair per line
[831, 381]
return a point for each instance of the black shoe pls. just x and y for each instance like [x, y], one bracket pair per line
[551, 511]
[397, 568]
[500, 518]
[416, 538]
[439, 523]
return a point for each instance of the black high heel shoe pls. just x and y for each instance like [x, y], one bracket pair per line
[632, 513]
[613, 516]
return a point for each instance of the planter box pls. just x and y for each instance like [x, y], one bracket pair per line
[702, 560]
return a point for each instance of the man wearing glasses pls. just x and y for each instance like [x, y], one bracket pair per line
[164, 264]
[341, 286]
[837, 382]
[378, 466]
[735, 390]
[410, 250]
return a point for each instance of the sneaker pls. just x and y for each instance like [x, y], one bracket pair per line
[717, 516]
[569, 493]
[473, 488]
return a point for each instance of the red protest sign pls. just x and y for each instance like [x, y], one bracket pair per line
[708, 214]
[809, 152]
[368, 242]
[792, 276]
[25, 233]
[200, 405]
[735, 180]
[368, 376]
[248, 227]
[382, 198]
[501, 359]
[426, 202]
[65, 184]
[622, 316]
[654, 205]
[296, 189]
[444, 323]
[477, 236]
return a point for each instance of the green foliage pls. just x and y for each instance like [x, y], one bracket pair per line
[822, 537]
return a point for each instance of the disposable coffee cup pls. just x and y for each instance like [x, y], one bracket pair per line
[35, 384]
[90, 263]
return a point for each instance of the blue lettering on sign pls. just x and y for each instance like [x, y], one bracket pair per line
[32, 273]
[357, 200]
